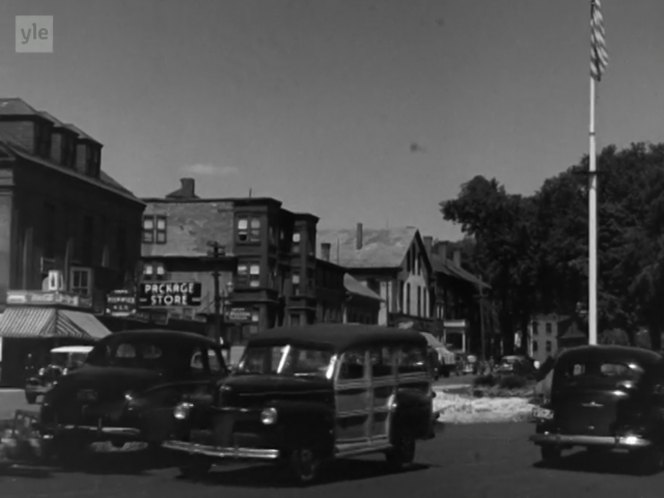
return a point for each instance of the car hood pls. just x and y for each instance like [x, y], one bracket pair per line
[110, 382]
[249, 390]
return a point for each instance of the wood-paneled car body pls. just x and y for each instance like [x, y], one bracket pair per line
[605, 398]
[305, 395]
[127, 388]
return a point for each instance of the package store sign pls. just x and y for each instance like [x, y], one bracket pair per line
[120, 303]
[167, 294]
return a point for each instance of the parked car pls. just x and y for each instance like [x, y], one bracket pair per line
[61, 361]
[127, 388]
[466, 364]
[605, 398]
[304, 395]
[515, 364]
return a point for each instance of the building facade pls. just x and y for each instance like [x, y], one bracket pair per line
[60, 210]
[394, 264]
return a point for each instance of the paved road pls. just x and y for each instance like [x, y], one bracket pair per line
[485, 460]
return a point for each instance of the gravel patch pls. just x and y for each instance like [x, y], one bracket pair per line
[464, 409]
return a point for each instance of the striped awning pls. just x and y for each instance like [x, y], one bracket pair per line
[41, 322]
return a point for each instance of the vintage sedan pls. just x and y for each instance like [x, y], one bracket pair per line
[127, 388]
[62, 360]
[304, 395]
[605, 398]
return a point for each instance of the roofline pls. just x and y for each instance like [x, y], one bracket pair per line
[74, 174]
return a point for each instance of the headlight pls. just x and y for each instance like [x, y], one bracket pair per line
[130, 396]
[269, 416]
[41, 372]
[182, 410]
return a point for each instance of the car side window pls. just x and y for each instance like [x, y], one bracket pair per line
[352, 365]
[411, 359]
[197, 364]
[215, 362]
[381, 361]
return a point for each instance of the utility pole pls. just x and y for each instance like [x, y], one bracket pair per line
[218, 251]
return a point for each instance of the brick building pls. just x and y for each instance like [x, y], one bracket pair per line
[58, 211]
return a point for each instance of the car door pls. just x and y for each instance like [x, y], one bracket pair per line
[382, 361]
[352, 393]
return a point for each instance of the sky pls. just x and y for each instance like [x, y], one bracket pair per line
[353, 110]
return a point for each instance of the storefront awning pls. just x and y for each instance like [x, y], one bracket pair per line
[42, 322]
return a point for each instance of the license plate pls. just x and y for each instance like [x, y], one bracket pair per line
[87, 395]
[542, 413]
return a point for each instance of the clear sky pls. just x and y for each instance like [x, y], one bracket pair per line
[354, 110]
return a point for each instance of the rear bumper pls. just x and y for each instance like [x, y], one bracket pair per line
[625, 442]
[222, 452]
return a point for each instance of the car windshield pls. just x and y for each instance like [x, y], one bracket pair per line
[68, 360]
[285, 360]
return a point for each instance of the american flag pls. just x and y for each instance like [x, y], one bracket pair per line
[599, 58]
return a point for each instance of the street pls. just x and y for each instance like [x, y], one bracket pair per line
[479, 460]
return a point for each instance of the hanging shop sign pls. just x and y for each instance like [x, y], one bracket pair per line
[121, 302]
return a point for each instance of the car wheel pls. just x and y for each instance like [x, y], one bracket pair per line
[196, 468]
[402, 452]
[305, 465]
[649, 461]
[31, 398]
[550, 454]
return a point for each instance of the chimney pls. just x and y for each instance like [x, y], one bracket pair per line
[187, 187]
[457, 257]
[325, 250]
[428, 243]
[358, 244]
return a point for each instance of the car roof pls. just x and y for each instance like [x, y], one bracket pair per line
[611, 353]
[337, 337]
[161, 335]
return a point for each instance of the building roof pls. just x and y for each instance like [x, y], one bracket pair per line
[190, 226]
[56, 122]
[81, 134]
[15, 106]
[104, 180]
[381, 248]
[354, 286]
[451, 269]
[337, 337]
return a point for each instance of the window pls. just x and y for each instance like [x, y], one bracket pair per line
[411, 359]
[296, 242]
[548, 346]
[248, 229]
[352, 365]
[535, 347]
[80, 281]
[548, 328]
[161, 229]
[408, 299]
[419, 301]
[295, 319]
[296, 283]
[49, 230]
[381, 361]
[249, 274]
[148, 229]
[148, 270]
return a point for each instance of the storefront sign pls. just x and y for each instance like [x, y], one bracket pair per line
[167, 294]
[239, 314]
[120, 302]
[46, 298]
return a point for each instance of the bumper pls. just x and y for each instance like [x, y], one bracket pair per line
[91, 431]
[222, 452]
[609, 442]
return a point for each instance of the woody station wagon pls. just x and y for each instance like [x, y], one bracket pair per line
[605, 398]
[301, 396]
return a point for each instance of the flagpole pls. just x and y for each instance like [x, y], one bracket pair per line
[592, 223]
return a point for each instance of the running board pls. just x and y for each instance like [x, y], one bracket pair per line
[360, 449]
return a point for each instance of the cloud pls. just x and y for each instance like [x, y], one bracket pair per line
[209, 169]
